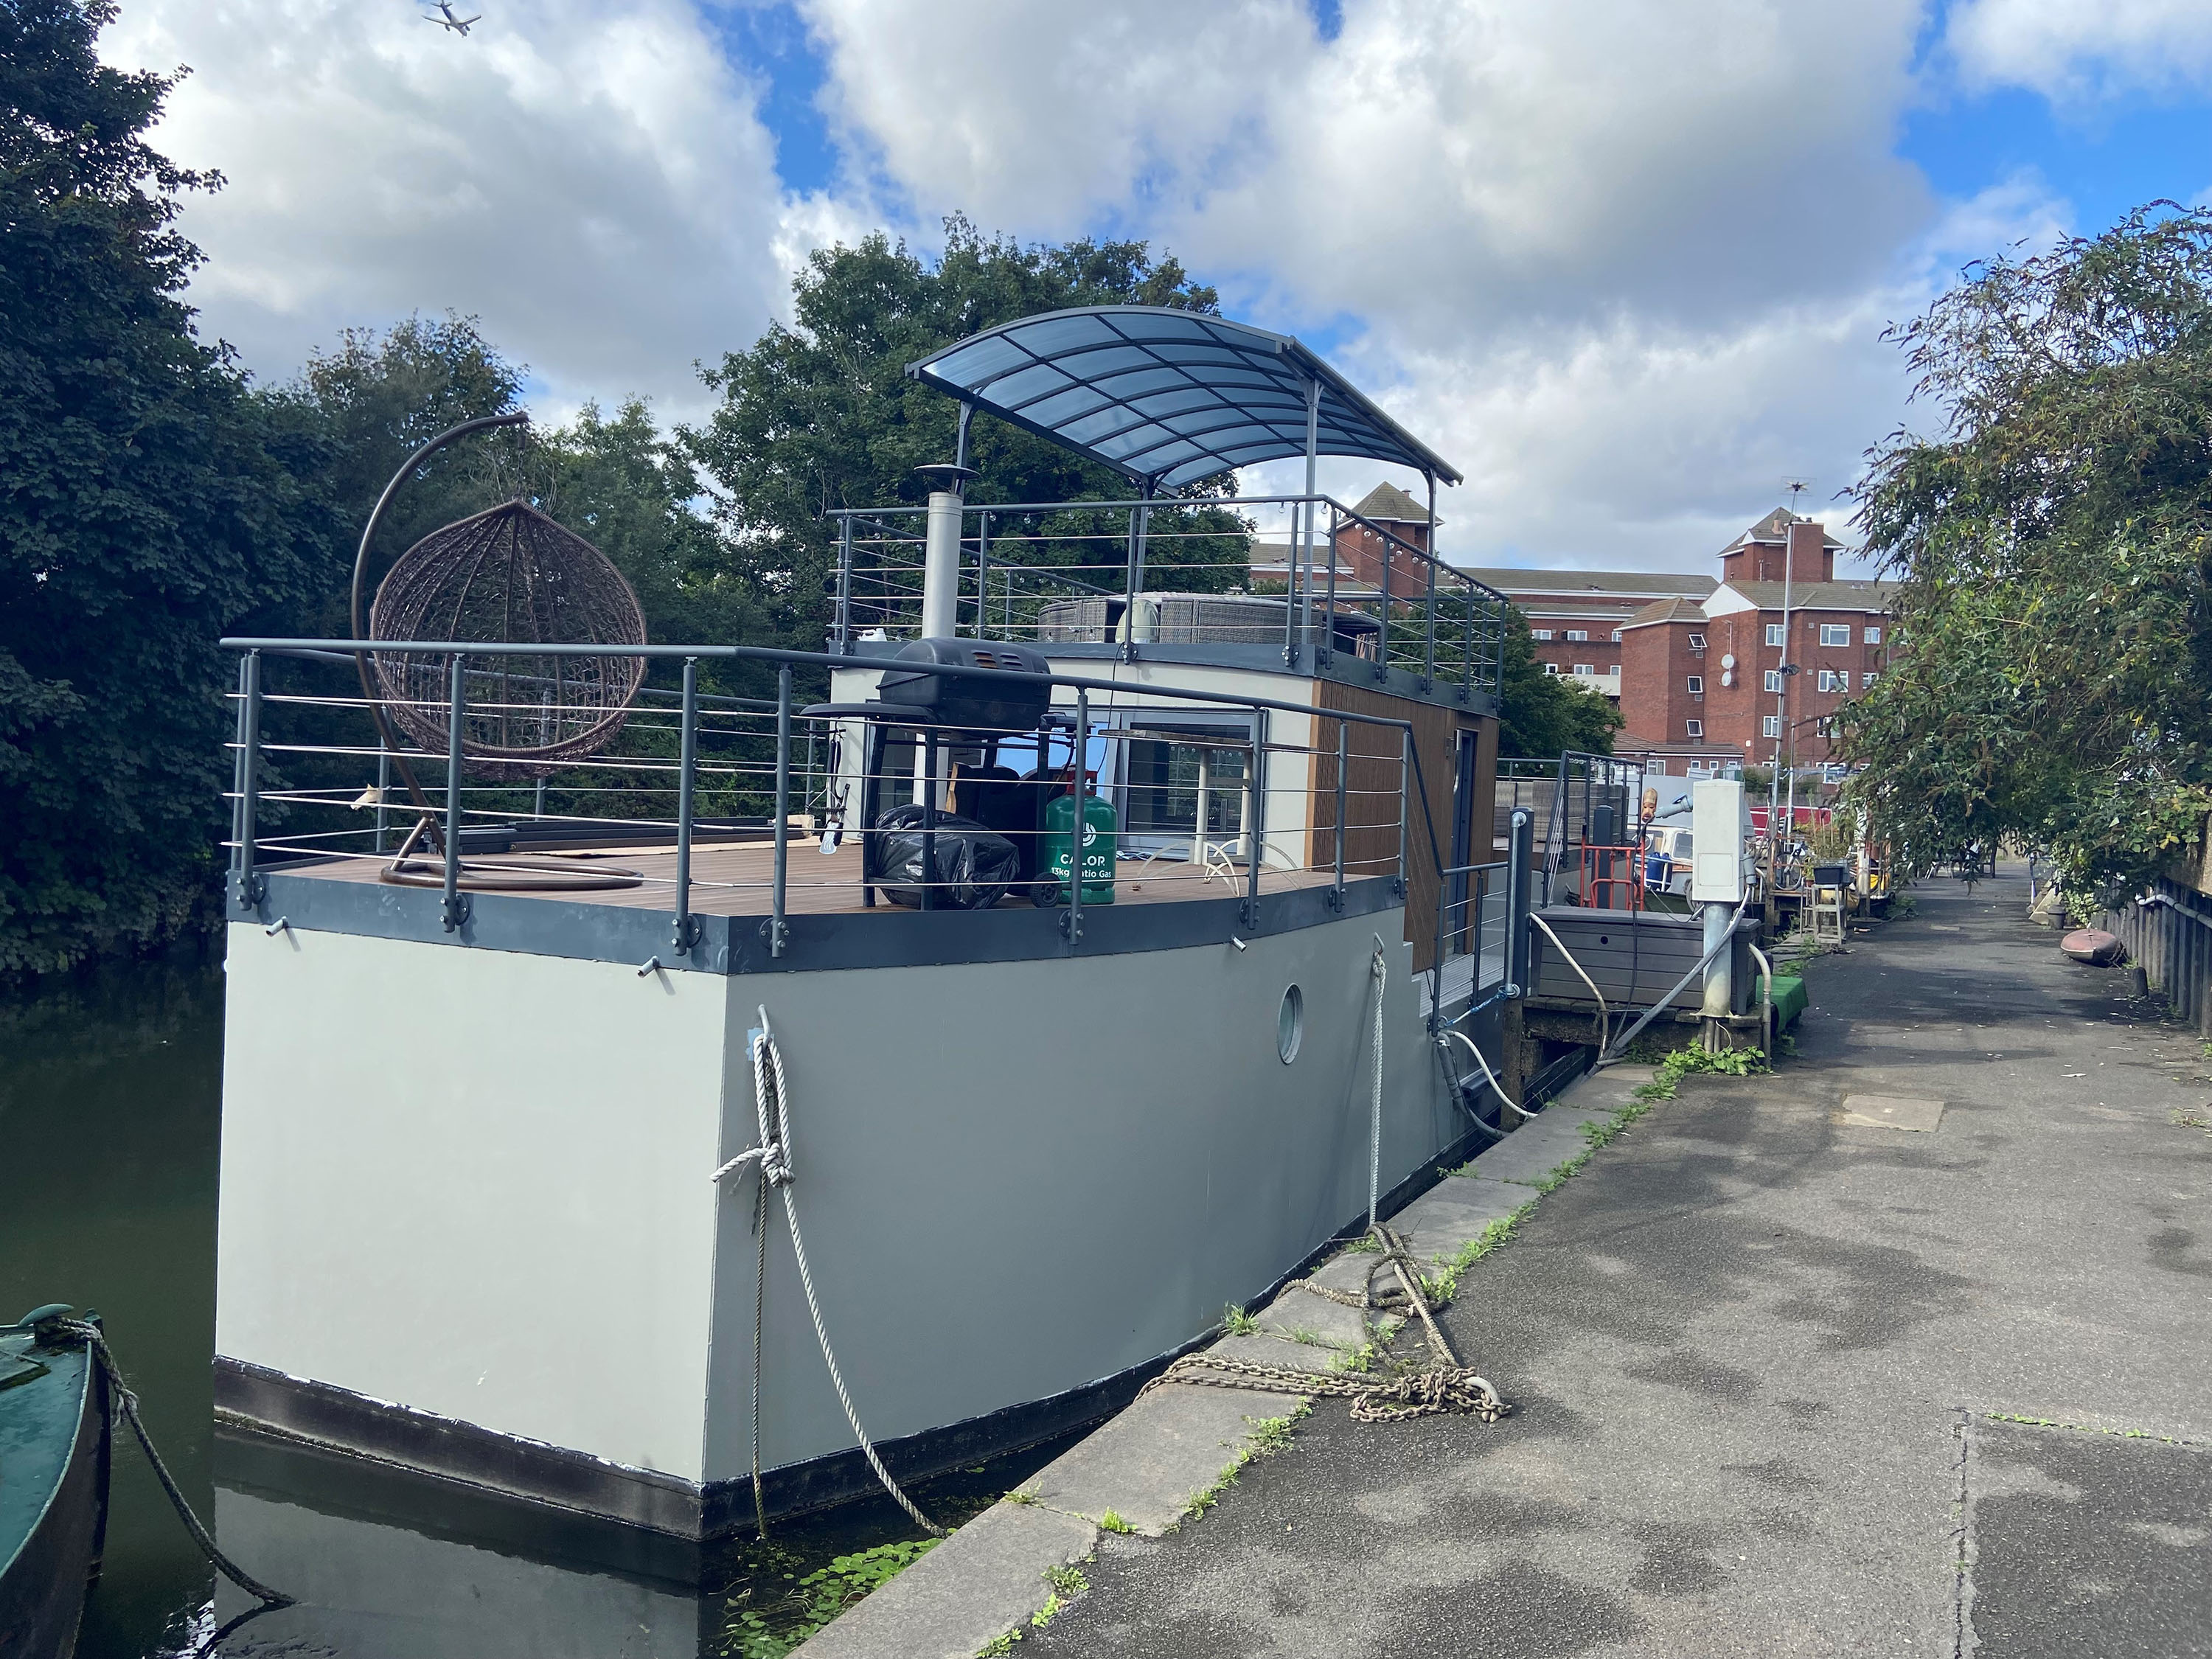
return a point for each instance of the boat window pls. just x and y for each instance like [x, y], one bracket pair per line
[1291, 1024]
[1165, 765]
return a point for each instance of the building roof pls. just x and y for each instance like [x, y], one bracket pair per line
[1668, 610]
[1166, 397]
[1388, 504]
[1870, 597]
[1580, 584]
[1773, 530]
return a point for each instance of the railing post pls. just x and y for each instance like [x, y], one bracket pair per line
[1429, 649]
[1290, 593]
[1139, 526]
[247, 885]
[1255, 835]
[1437, 1021]
[845, 585]
[1518, 858]
[383, 784]
[1343, 754]
[1327, 650]
[455, 909]
[685, 934]
[1078, 759]
[1405, 801]
[1383, 649]
[983, 574]
[1467, 669]
[779, 930]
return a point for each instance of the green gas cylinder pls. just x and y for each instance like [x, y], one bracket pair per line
[1099, 829]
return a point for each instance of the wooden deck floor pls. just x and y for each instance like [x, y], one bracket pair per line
[737, 880]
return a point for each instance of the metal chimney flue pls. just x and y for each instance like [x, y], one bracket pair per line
[940, 558]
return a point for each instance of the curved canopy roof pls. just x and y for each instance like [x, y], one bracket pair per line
[1167, 397]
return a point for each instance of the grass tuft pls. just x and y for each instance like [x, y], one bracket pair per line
[1268, 1436]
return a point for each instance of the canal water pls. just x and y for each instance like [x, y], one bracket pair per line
[110, 1121]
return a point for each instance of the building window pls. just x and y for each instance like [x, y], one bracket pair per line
[1657, 769]
[1873, 635]
[1585, 671]
[1834, 680]
[1697, 641]
[1835, 633]
[1616, 637]
[1825, 728]
[1774, 680]
[1696, 729]
[1540, 633]
[1770, 727]
[1694, 770]
[1574, 633]
[1774, 633]
[1551, 668]
[1697, 682]
[1868, 677]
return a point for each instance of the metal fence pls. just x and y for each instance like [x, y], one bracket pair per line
[2168, 933]
[733, 806]
[1137, 573]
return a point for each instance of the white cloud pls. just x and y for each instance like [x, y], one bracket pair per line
[2077, 51]
[594, 183]
[1625, 265]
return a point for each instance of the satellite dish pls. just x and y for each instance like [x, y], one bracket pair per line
[1728, 676]
[1728, 660]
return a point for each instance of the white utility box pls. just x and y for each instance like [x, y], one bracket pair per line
[1720, 825]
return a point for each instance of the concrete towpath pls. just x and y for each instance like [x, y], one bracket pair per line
[1790, 1377]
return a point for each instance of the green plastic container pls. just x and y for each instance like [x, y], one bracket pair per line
[1100, 828]
[1789, 1001]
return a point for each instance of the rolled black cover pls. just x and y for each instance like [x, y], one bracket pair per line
[974, 865]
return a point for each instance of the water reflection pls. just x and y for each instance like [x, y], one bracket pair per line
[385, 1566]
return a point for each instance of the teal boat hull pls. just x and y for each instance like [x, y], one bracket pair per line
[54, 1448]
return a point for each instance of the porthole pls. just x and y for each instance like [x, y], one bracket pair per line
[1291, 1024]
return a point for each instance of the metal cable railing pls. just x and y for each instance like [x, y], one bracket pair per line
[1347, 587]
[703, 803]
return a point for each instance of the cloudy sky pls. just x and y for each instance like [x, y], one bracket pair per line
[1626, 264]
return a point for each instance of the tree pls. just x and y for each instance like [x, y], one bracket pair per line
[145, 511]
[820, 414]
[2050, 545]
[1542, 716]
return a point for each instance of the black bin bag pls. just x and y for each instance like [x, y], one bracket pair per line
[975, 865]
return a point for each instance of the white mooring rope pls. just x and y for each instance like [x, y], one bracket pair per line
[1379, 969]
[773, 1157]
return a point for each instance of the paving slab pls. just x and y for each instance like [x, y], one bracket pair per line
[1146, 1464]
[985, 1579]
[1457, 1210]
[1280, 1352]
[1533, 1151]
[1299, 1313]
[1905, 1112]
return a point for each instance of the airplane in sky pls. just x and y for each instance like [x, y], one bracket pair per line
[447, 21]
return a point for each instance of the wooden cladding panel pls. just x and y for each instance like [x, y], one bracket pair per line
[1371, 788]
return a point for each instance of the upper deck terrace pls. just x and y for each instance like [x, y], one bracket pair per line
[1171, 581]
[728, 835]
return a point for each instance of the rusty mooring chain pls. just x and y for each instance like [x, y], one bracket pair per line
[1444, 1385]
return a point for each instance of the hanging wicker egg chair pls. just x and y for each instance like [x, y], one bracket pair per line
[509, 575]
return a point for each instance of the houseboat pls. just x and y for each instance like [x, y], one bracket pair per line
[633, 1094]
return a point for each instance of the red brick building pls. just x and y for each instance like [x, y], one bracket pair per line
[1707, 676]
[1577, 618]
